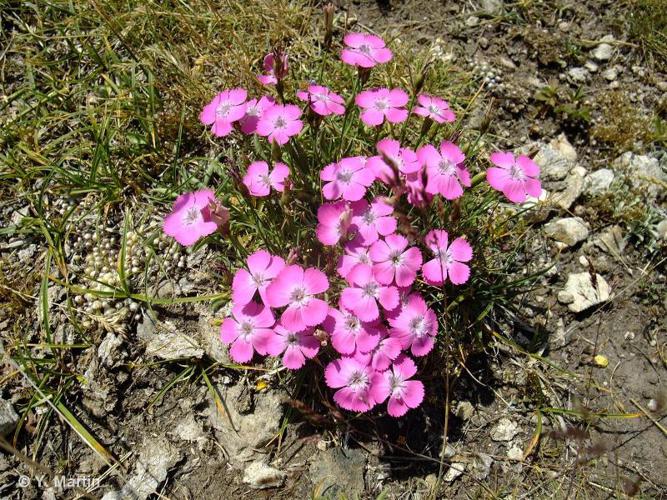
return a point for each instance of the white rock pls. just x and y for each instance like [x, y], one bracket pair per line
[580, 293]
[189, 430]
[612, 241]
[8, 417]
[661, 228]
[644, 172]
[599, 181]
[574, 186]
[578, 74]
[481, 466]
[455, 470]
[610, 74]
[554, 165]
[591, 66]
[505, 430]
[603, 52]
[491, 7]
[465, 410]
[260, 476]
[515, 452]
[569, 230]
[108, 348]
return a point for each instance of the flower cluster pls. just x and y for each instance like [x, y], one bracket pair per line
[371, 308]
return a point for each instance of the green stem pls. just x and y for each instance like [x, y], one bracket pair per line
[477, 179]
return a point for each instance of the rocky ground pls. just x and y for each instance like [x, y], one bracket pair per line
[569, 400]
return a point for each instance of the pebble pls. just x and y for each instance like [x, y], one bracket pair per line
[568, 230]
[610, 74]
[465, 410]
[591, 66]
[598, 182]
[603, 52]
[455, 470]
[579, 293]
[8, 417]
[578, 74]
[260, 476]
[515, 452]
[505, 430]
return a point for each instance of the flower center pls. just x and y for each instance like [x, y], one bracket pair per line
[381, 104]
[370, 289]
[444, 256]
[517, 174]
[246, 329]
[364, 49]
[299, 297]
[446, 167]
[396, 257]
[280, 122]
[259, 279]
[418, 326]
[252, 111]
[397, 385]
[223, 109]
[265, 179]
[319, 97]
[358, 380]
[369, 217]
[352, 324]
[344, 176]
[292, 339]
[192, 216]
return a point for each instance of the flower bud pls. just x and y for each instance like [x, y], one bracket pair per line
[329, 10]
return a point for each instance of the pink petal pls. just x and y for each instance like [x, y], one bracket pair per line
[292, 318]
[458, 273]
[243, 287]
[452, 152]
[397, 115]
[398, 97]
[334, 376]
[529, 167]
[293, 358]
[366, 309]
[315, 281]
[533, 187]
[241, 351]
[515, 190]
[384, 272]
[314, 312]
[372, 117]
[434, 272]
[366, 99]
[389, 298]
[228, 332]
[497, 178]
[461, 250]
[396, 407]
[504, 160]
[422, 346]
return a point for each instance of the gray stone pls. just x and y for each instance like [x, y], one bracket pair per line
[580, 292]
[591, 66]
[578, 74]
[612, 241]
[491, 7]
[610, 74]
[644, 172]
[603, 52]
[108, 348]
[504, 430]
[260, 476]
[156, 457]
[555, 161]
[455, 470]
[208, 336]
[472, 21]
[515, 452]
[569, 230]
[661, 229]
[481, 466]
[189, 430]
[8, 417]
[244, 434]
[168, 343]
[339, 473]
[573, 187]
[599, 181]
[465, 410]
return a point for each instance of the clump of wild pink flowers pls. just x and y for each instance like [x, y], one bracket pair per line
[363, 307]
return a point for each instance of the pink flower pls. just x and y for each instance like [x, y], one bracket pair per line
[515, 178]
[383, 172]
[354, 252]
[253, 112]
[404, 159]
[296, 346]
[191, 217]
[349, 333]
[384, 353]
[280, 122]
[364, 50]
[333, 222]
[365, 292]
[448, 259]
[275, 69]
[416, 326]
[382, 103]
[348, 179]
[225, 108]
[248, 329]
[296, 289]
[322, 100]
[444, 169]
[393, 262]
[373, 220]
[354, 381]
[262, 268]
[259, 181]
[434, 108]
[394, 384]
[417, 194]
